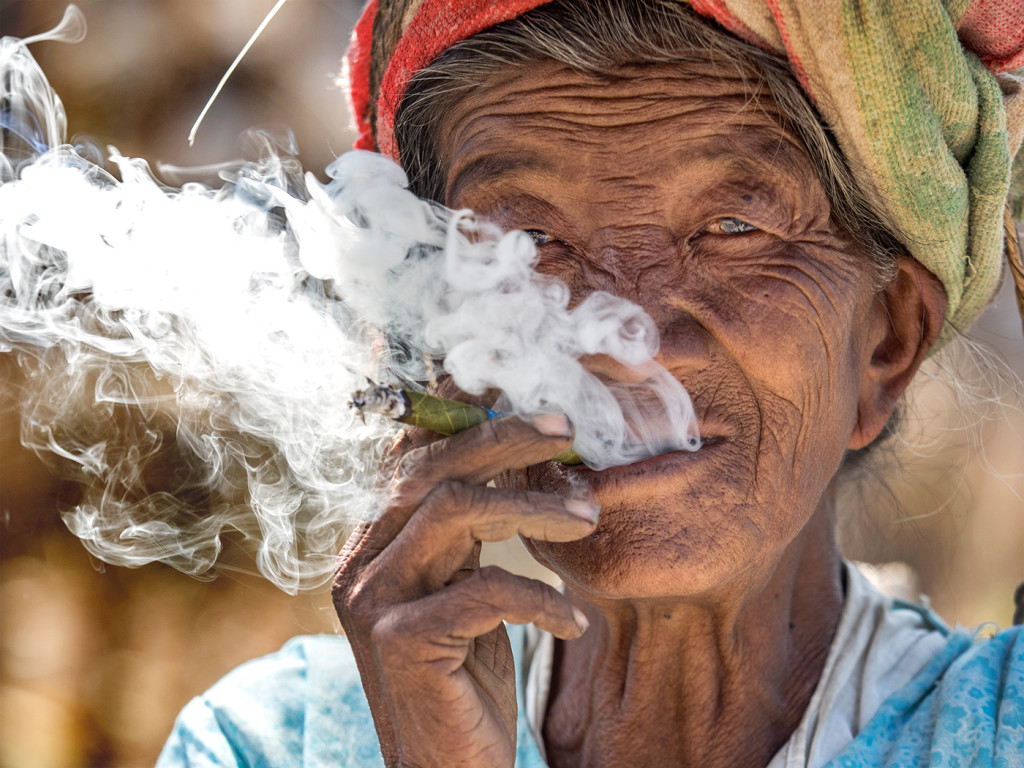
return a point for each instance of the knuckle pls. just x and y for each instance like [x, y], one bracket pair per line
[544, 597]
[445, 501]
[492, 580]
[516, 441]
[484, 499]
[388, 639]
[452, 502]
[525, 500]
[348, 556]
[408, 464]
[346, 566]
[340, 587]
[481, 500]
[407, 483]
[352, 601]
[498, 588]
[501, 431]
[393, 454]
[352, 588]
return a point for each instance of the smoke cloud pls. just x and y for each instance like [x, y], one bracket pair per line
[190, 351]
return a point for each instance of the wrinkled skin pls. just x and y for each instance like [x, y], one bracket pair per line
[711, 582]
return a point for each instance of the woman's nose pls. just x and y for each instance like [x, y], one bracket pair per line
[685, 344]
[643, 264]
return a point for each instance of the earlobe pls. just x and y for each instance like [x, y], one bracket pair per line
[914, 305]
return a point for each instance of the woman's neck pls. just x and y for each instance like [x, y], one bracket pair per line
[709, 681]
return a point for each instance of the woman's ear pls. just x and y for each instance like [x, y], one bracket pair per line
[914, 309]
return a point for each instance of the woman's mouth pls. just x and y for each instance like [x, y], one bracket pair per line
[669, 461]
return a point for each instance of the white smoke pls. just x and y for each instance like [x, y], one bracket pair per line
[191, 351]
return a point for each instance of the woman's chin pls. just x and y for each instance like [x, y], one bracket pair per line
[645, 554]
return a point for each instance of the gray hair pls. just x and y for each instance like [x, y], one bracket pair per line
[600, 37]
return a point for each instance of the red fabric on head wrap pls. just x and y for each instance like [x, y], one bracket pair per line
[994, 30]
[357, 65]
[436, 26]
[716, 10]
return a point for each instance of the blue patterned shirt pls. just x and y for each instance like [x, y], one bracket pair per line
[304, 706]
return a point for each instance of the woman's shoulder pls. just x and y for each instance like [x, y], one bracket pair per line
[965, 708]
[303, 705]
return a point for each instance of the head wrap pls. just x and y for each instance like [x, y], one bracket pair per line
[917, 92]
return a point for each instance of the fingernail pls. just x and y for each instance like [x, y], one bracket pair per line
[584, 510]
[581, 619]
[552, 424]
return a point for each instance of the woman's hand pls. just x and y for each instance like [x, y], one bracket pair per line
[424, 621]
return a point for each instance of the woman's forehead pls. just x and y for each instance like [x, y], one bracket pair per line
[658, 121]
[635, 94]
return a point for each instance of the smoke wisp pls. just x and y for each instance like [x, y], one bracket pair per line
[190, 351]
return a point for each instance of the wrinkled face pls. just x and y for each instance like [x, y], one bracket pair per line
[668, 187]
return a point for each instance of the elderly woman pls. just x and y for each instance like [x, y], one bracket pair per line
[806, 199]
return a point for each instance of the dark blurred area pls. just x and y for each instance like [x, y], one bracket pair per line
[95, 660]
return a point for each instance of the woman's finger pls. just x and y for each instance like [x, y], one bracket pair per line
[474, 456]
[480, 454]
[455, 516]
[436, 630]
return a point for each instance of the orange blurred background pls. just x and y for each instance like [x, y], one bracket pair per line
[95, 661]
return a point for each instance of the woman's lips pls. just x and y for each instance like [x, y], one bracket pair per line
[659, 464]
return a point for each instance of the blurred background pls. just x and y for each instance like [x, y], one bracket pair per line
[95, 661]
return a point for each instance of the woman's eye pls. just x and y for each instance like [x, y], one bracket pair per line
[539, 236]
[731, 226]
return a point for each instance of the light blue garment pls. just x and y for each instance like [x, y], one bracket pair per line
[304, 706]
[964, 710]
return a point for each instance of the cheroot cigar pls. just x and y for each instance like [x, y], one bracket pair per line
[437, 414]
